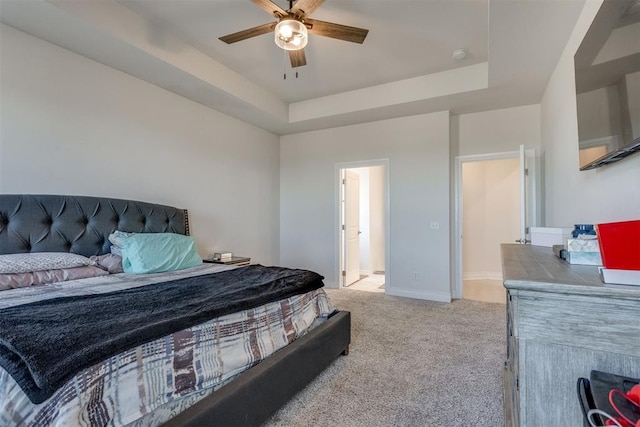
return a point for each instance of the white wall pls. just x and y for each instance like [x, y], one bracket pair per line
[70, 125]
[491, 215]
[417, 148]
[609, 193]
[498, 131]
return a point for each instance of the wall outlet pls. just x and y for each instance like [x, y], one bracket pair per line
[435, 225]
[414, 276]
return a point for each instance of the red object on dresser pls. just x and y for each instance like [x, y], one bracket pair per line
[620, 244]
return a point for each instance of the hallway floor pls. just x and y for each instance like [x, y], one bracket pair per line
[475, 290]
[484, 290]
[372, 283]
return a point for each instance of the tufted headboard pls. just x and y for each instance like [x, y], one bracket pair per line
[79, 224]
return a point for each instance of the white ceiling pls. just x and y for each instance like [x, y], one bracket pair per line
[405, 65]
[333, 66]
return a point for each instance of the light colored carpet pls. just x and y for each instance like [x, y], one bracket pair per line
[411, 363]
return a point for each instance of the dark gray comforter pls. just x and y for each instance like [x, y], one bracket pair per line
[45, 343]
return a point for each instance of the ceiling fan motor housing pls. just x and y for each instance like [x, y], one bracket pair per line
[291, 34]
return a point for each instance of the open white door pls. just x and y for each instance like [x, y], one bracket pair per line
[352, 227]
[523, 197]
[527, 195]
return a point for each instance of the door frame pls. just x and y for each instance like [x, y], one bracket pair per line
[339, 255]
[530, 155]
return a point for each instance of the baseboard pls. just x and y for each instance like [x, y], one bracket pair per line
[482, 275]
[430, 296]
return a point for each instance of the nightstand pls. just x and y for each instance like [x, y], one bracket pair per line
[235, 260]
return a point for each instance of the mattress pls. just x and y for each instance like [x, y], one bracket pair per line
[150, 383]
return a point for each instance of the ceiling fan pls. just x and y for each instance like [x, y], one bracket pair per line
[292, 28]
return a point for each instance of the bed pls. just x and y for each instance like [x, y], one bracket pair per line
[270, 348]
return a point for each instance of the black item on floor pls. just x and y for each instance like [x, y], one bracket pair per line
[585, 398]
[593, 393]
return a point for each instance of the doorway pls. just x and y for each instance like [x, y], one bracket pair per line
[495, 203]
[363, 207]
[490, 216]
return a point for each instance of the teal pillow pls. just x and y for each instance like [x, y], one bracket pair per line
[158, 252]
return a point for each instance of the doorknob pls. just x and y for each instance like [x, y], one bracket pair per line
[523, 241]
[359, 232]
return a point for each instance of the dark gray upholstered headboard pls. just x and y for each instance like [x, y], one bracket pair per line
[79, 224]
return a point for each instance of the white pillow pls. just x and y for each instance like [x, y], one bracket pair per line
[39, 261]
[118, 239]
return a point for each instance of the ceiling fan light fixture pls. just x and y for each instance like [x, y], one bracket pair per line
[291, 34]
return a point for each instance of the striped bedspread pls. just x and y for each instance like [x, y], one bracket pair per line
[148, 384]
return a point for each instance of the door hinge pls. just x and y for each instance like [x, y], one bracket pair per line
[343, 227]
[526, 172]
[344, 181]
[344, 273]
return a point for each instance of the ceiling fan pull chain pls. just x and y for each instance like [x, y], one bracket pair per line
[284, 64]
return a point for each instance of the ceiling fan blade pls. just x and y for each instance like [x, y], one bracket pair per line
[306, 6]
[297, 58]
[337, 31]
[248, 33]
[271, 8]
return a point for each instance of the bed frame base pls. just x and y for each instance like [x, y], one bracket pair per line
[258, 393]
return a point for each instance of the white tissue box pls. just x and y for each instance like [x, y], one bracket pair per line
[581, 245]
[549, 236]
[584, 258]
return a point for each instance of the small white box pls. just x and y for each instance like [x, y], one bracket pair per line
[582, 245]
[584, 258]
[218, 256]
[620, 277]
[549, 236]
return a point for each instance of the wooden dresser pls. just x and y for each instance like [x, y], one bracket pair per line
[562, 322]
